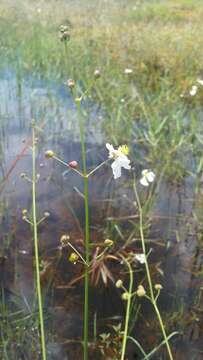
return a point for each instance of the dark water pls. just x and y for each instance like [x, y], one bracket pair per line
[175, 236]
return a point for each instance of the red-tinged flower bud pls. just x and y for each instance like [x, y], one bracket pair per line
[73, 164]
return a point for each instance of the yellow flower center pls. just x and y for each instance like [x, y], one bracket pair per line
[124, 149]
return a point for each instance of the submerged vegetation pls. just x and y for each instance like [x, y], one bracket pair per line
[117, 251]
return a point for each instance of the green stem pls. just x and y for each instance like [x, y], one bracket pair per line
[35, 234]
[87, 234]
[127, 316]
[152, 297]
[86, 305]
[97, 168]
[67, 165]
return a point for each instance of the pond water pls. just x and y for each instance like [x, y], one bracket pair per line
[175, 236]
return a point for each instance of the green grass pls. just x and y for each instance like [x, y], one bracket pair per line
[161, 41]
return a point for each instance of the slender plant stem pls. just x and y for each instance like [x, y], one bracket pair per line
[67, 165]
[127, 316]
[87, 233]
[35, 234]
[97, 168]
[152, 297]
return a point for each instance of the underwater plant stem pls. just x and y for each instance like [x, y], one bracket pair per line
[87, 233]
[149, 279]
[35, 234]
[127, 316]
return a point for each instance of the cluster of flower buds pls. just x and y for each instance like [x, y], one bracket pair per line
[125, 295]
[140, 292]
[24, 214]
[73, 258]
[64, 33]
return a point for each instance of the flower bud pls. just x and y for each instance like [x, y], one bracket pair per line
[108, 242]
[140, 291]
[125, 296]
[64, 240]
[73, 258]
[64, 33]
[119, 283]
[63, 28]
[97, 74]
[24, 211]
[71, 83]
[158, 286]
[23, 175]
[78, 100]
[128, 71]
[73, 164]
[65, 36]
[46, 214]
[49, 154]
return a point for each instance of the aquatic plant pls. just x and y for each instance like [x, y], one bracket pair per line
[120, 160]
[149, 176]
[34, 222]
[161, 118]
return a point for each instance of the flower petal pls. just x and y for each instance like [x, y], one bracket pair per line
[200, 81]
[116, 167]
[193, 91]
[109, 147]
[144, 172]
[141, 258]
[111, 150]
[124, 162]
[150, 176]
[144, 181]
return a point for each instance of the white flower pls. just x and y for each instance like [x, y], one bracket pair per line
[141, 258]
[147, 177]
[120, 159]
[193, 91]
[200, 81]
[128, 71]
